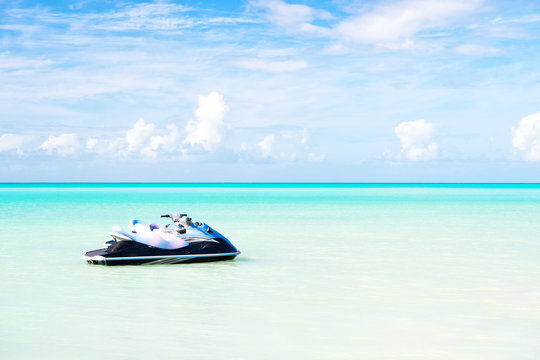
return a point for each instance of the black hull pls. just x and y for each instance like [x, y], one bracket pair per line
[134, 253]
[158, 261]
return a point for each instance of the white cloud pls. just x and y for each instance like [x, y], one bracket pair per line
[477, 50]
[393, 25]
[526, 137]
[283, 145]
[9, 61]
[524, 19]
[159, 16]
[15, 142]
[398, 21]
[272, 66]
[206, 130]
[162, 143]
[267, 144]
[416, 139]
[139, 139]
[107, 147]
[63, 145]
[293, 18]
[91, 144]
[139, 135]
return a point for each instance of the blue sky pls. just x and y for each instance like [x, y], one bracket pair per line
[409, 90]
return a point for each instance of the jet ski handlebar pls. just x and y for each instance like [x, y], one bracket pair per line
[175, 217]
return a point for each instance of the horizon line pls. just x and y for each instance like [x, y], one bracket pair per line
[273, 182]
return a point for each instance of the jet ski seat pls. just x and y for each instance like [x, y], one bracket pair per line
[154, 235]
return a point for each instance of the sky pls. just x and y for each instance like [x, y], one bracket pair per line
[270, 91]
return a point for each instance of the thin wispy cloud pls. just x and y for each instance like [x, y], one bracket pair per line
[123, 18]
[292, 18]
[272, 66]
[394, 25]
[400, 21]
[478, 50]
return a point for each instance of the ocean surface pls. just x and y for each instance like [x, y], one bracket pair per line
[327, 271]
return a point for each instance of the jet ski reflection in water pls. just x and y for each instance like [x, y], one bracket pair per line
[181, 241]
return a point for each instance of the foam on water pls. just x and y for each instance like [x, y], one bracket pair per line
[327, 272]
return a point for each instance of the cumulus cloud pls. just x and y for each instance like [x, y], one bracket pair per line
[148, 140]
[416, 139]
[137, 137]
[293, 18]
[399, 21]
[63, 145]
[205, 131]
[526, 137]
[271, 66]
[162, 143]
[140, 139]
[267, 145]
[284, 145]
[15, 142]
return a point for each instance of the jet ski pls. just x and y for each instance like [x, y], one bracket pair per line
[181, 241]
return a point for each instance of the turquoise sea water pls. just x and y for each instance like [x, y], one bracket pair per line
[331, 271]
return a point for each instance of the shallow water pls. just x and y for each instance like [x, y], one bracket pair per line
[326, 272]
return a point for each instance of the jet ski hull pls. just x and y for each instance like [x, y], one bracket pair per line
[156, 260]
[134, 253]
